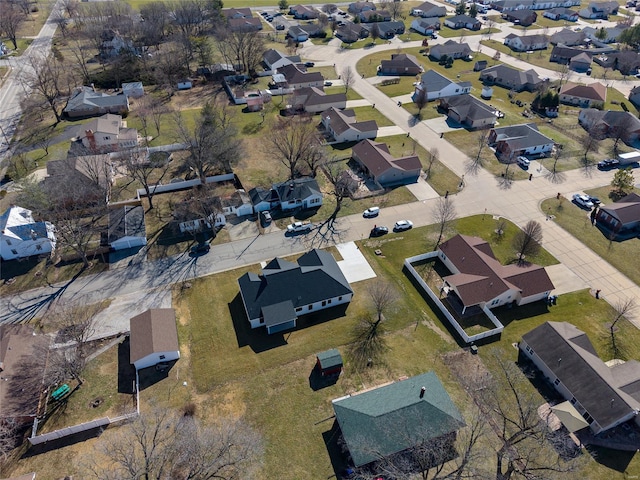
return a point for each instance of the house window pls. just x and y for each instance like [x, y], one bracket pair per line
[329, 301]
[573, 400]
[310, 307]
[15, 252]
[8, 242]
[107, 138]
[299, 309]
[339, 298]
[162, 357]
[324, 303]
[557, 381]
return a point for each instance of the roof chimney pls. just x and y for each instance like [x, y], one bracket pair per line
[422, 390]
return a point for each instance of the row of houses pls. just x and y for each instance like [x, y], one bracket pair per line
[594, 10]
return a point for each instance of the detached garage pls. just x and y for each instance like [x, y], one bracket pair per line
[154, 338]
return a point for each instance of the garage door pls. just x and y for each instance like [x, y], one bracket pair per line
[281, 327]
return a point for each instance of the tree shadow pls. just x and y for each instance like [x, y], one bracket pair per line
[617, 460]
[63, 442]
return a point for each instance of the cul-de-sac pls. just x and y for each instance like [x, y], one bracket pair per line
[379, 240]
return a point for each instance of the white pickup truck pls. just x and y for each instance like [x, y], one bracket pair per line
[296, 227]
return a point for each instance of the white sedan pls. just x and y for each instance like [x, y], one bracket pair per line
[403, 225]
[583, 200]
[371, 212]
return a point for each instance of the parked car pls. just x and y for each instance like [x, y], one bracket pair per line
[280, 27]
[265, 218]
[296, 227]
[309, 64]
[608, 163]
[378, 231]
[524, 162]
[371, 212]
[269, 19]
[583, 200]
[595, 200]
[403, 225]
[434, 36]
[328, 83]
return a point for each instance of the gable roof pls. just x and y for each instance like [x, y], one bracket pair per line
[568, 37]
[521, 136]
[607, 393]
[506, 74]
[427, 7]
[626, 210]
[271, 56]
[153, 331]
[298, 188]
[435, 82]
[127, 221]
[245, 23]
[85, 97]
[295, 75]
[469, 107]
[343, 120]
[524, 14]
[611, 119]
[236, 12]
[400, 60]
[316, 277]
[451, 47]
[427, 23]
[330, 358]
[482, 277]
[18, 223]
[529, 39]
[594, 91]
[581, 58]
[395, 417]
[377, 158]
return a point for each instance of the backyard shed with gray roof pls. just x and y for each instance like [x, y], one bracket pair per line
[286, 290]
[329, 362]
[396, 417]
[153, 338]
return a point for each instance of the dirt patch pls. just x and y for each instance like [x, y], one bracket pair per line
[193, 98]
[469, 369]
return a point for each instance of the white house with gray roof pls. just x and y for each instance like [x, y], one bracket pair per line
[438, 86]
[127, 227]
[21, 236]
[426, 26]
[511, 78]
[451, 49]
[525, 43]
[428, 9]
[285, 290]
[275, 59]
[523, 139]
[343, 126]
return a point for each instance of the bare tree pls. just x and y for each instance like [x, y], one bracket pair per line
[590, 142]
[368, 345]
[11, 17]
[527, 241]
[296, 143]
[160, 444]
[622, 308]
[340, 185]
[481, 141]
[46, 78]
[444, 214]
[383, 296]
[243, 48]
[203, 206]
[212, 143]
[420, 99]
[82, 54]
[553, 175]
[148, 169]
[432, 157]
[348, 78]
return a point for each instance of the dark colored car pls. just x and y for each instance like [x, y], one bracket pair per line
[378, 231]
[608, 164]
[309, 64]
[595, 200]
[265, 218]
[200, 248]
[280, 27]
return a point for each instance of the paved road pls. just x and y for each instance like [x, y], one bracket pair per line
[482, 193]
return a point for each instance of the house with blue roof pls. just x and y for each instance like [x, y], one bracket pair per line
[286, 290]
[394, 418]
[21, 236]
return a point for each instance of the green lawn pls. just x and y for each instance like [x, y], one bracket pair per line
[364, 114]
[622, 255]
[351, 93]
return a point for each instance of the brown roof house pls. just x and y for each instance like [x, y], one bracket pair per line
[521, 17]
[469, 111]
[479, 279]
[23, 357]
[622, 218]
[593, 95]
[400, 64]
[298, 77]
[604, 396]
[154, 338]
[245, 24]
[343, 126]
[303, 12]
[387, 171]
[511, 78]
[315, 100]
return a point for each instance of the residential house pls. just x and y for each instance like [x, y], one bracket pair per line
[478, 279]
[297, 77]
[357, 7]
[153, 338]
[525, 43]
[285, 290]
[133, 89]
[510, 5]
[238, 203]
[605, 396]
[108, 133]
[563, 55]
[396, 417]
[126, 227]
[525, 18]
[377, 162]
[426, 26]
[523, 139]
[91, 175]
[400, 64]
[626, 62]
[352, 32]
[621, 218]
[113, 44]
[450, 49]
[315, 100]
[387, 29]
[581, 62]
[463, 21]
[600, 10]
[634, 96]
[437, 86]
[245, 24]
[586, 96]
[297, 33]
[236, 12]
[369, 16]
[23, 358]
[275, 59]
[467, 110]
[298, 194]
[22, 237]
[302, 12]
[343, 127]
[561, 13]
[480, 65]
[567, 38]
[263, 199]
[87, 102]
[610, 124]
[508, 77]
[612, 34]
[428, 10]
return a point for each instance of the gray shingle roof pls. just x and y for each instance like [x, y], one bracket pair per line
[393, 418]
[127, 221]
[298, 188]
[86, 97]
[469, 107]
[521, 136]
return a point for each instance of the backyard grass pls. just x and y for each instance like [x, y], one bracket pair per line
[428, 112]
[351, 93]
[403, 87]
[364, 114]
[329, 73]
[622, 255]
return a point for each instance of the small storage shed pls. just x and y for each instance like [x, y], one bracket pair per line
[154, 338]
[329, 363]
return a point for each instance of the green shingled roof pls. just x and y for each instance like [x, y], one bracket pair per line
[393, 418]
